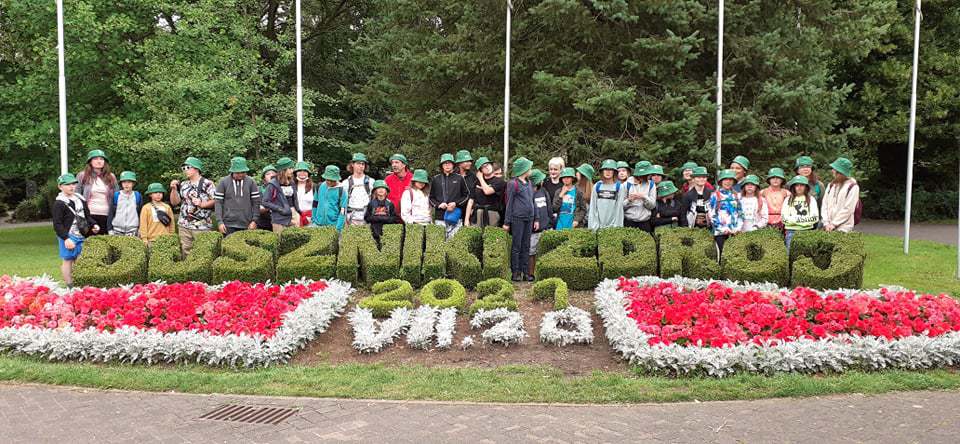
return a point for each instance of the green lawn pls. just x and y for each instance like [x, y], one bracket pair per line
[930, 267]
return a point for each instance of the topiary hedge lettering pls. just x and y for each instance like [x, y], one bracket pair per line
[434, 253]
[411, 261]
[444, 293]
[388, 295]
[570, 255]
[247, 256]
[168, 264]
[496, 253]
[360, 262]
[827, 259]
[626, 252]
[110, 261]
[688, 252]
[552, 289]
[309, 252]
[494, 293]
[463, 256]
[757, 256]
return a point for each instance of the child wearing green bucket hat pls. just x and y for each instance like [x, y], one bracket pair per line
[609, 198]
[520, 218]
[415, 200]
[303, 193]
[697, 198]
[774, 195]
[568, 203]
[740, 167]
[358, 187]
[640, 204]
[690, 172]
[448, 196]
[756, 212]
[543, 216]
[841, 200]
[623, 171]
[585, 177]
[804, 166]
[97, 185]
[671, 210]
[379, 210]
[800, 211]
[263, 218]
[725, 209]
[329, 201]
[279, 196]
[485, 206]
[156, 217]
[72, 222]
[124, 217]
[236, 199]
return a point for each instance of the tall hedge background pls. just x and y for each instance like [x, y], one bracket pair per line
[151, 81]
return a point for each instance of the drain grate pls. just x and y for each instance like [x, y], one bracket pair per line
[250, 414]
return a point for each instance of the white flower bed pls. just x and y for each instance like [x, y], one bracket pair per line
[129, 344]
[835, 354]
[551, 331]
[507, 326]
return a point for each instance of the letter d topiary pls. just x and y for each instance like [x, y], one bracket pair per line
[756, 256]
[827, 259]
[688, 252]
[247, 256]
[627, 252]
[110, 261]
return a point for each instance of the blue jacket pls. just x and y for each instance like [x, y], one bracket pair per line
[329, 206]
[519, 201]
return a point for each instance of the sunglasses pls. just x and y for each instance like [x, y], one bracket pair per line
[186, 167]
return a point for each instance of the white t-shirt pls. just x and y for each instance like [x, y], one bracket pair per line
[357, 197]
[304, 198]
[99, 200]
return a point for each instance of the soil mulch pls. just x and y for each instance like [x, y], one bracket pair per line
[335, 345]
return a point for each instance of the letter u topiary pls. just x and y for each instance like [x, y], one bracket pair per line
[444, 293]
[496, 253]
[827, 259]
[494, 293]
[110, 261]
[463, 256]
[626, 252]
[570, 255]
[756, 256]
[688, 252]
[168, 264]
[247, 256]
[309, 252]
[388, 295]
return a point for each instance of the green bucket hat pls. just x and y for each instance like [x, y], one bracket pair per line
[379, 183]
[798, 180]
[66, 179]
[446, 157]
[97, 153]
[193, 162]
[666, 188]
[751, 178]
[655, 170]
[622, 164]
[586, 170]
[569, 172]
[690, 165]
[700, 172]
[331, 172]
[155, 188]
[483, 160]
[267, 168]
[238, 165]
[742, 161]
[726, 174]
[302, 166]
[284, 163]
[641, 167]
[776, 172]
[537, 176]
[463, 156]
[399, 157]
[608, 164]
[521, 165]
[803, 161]
[420, 176]
[359, 157]
[128, 176]
[843, 166]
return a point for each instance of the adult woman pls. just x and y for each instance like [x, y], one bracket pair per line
[279, 196]
[303, 194]
[774, 195]
[568, 203]
[97, 185]
[800, 211]
[804, 167]
[841, 198]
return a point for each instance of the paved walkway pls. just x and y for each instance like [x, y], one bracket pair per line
[35, 413]
[943, 233]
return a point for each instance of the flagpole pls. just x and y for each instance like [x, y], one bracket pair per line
[62, 86]
[719, 84]
[299, 91]
[913, 127]
[506, 94]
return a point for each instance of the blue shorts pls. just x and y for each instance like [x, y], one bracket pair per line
[68, 254]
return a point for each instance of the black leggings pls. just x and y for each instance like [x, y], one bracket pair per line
[101, 222]
[645, 225]
[720, 240]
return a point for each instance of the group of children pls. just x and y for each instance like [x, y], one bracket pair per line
[465, 192]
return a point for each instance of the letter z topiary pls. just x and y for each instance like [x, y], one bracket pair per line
[168, 264]
[307, 253]
[552, 288]
[756, 256]
[444, 293]
[827, 259]
[388, 295]
[463, 256]
[688, 252]
[570, 255]
[494, 293]
[627, 252]
[110, 261]
[496, 253]
[247, 256]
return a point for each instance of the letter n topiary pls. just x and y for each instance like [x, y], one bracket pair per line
[496, 253]
[570, 255]
[247, 256]
[494, 293]
[626, 252]
[309, 252]
[827, 259]
[110, 261]
[361, 263]
[463, 256]
[688, 252]
[168, 264]
[756, 256]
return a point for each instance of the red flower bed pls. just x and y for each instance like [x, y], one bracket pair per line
[718, 315]
[237, 307]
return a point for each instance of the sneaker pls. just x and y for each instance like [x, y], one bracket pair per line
[528, 278]
[517, 277]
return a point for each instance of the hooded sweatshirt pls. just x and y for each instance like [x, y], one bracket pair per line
[642, 209]
[236, 203]
[448, 188]
[798, 215]
[839, 204]
[329, 206]
[278, 203]
[606, 205]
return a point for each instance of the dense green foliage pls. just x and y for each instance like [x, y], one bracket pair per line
[821, 259]
[757, 256]
[494, 293]
[111, 261]
[689, 252]
[552, 289]
[307, 253]
[248, 256]
[168, 264]
[626, 252]
[388, 295]
[570, 255]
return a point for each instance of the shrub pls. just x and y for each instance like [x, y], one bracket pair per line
[387, 295]
[247, 256]
[412, 261]
[361, 263]
[757, 256]
[434, 253]
[626, 252]
[307, 253]
[348, 258]
[444, 293]
[574, 261]
[463, 256]
[110, 261]
[688, 252]
[494, 293]
[496, 253]
[827, 260]
[552, 288]
[168, 264]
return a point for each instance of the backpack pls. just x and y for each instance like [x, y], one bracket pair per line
[596, 187]
[366, 184]
[137, 197]
[858, 210]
